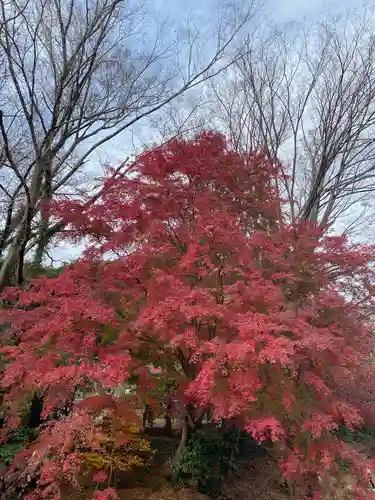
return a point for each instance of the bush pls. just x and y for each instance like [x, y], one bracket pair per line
[211, 454]
[363, 438]
[16, 443]
[122, 449]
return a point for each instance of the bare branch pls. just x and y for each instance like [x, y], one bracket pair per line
[75, 75]
[308, 92]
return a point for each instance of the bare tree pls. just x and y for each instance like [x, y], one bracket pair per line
[307, 93]
[73, 75]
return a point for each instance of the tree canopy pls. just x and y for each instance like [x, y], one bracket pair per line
[191, 265]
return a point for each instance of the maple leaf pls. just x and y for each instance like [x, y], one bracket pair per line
[241, 312]
[100, 476]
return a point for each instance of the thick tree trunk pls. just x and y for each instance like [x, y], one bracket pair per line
[9, 264]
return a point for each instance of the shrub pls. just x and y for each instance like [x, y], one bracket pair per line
[210, 456]
[16, 443]
[121, 448]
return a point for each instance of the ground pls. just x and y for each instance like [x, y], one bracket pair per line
[258, 479]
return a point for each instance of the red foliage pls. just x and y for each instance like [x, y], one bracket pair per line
[107, 494]
[191, 259]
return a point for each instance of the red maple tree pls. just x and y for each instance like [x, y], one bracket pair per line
[191, 264]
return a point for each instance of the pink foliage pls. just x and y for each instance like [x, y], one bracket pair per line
[107, 494]
[269, 321]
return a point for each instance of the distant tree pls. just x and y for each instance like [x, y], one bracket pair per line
[306, 90]
[74, 75]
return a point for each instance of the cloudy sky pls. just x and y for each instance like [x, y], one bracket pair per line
[274, 11]
[285, 10]
[277, 11]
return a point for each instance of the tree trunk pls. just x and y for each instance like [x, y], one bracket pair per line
[167, 423]
[148, 418]
[34, 417]
[168, 419]
[9, 264]
[191, 421]
[185, 433]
